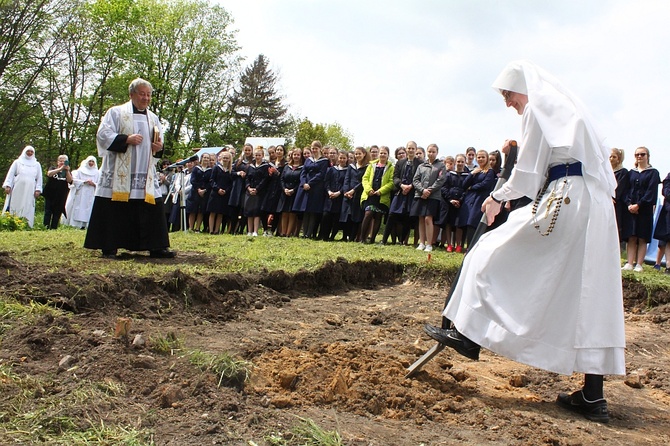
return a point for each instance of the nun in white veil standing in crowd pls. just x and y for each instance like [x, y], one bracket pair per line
[82, 193]
[568, 315]
[23, 185]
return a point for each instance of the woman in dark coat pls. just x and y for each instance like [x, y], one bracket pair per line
[662, 230]
[238, 190]
[196, 203]
[352, 213]
[289, 183]
[311, 195]
[256, 181]
[270, 217]
[641, 200]
[477, 187]
[624, 220]
[330, 221]
[221, 184]
[453, 193]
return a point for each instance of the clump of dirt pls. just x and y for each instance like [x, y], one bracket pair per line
[332, 345]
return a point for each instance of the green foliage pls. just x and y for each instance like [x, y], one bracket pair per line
[11, 222]
[231, 371]
[328, 134]
[63, 63]
[306, 433]
[308, 132]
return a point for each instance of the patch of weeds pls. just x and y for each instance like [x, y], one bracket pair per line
[231, 371]
[166, 345]
[13, 310]
[40, 412]
[306, 433]
[11, 222]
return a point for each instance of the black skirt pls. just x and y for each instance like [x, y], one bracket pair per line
[133, 225]
[422, 208]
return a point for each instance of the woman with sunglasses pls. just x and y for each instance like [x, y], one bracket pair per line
[641, 200]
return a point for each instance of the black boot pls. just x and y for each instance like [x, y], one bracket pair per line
[452, 338]
[592, 410]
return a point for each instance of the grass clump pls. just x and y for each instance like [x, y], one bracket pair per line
[166, 345]
[231, 371]
[41, 411]
[305, 433]
[12, 312]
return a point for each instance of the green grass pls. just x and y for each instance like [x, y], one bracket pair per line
[230, 370]
[305, 433]
[166, 345]
[12, 312]
[37, 411]
[204, 254]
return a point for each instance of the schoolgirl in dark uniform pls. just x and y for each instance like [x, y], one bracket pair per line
[352, 214]
[311, 195]
[289, 183]
[641, 200]
[330, 221]
[221, 184]
[477, 187]
[256, 182]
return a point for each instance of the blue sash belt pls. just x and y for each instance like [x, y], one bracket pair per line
[564, 170]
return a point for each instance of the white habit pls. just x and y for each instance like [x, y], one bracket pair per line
[24, 178]
[555, 301]
[82, 193]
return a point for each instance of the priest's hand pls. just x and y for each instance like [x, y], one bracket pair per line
[135, 139]
[8, 190]
[156, 146]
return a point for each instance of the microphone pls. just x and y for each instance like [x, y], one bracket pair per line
[183, 162]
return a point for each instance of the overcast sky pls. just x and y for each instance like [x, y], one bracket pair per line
[390, 71]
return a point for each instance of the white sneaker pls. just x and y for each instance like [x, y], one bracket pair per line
[248, 234]
[421, 247]
[429, 248]
[638, 268]
[254, 234]
[627, 267]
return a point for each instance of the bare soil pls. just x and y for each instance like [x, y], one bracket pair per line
[331, 345]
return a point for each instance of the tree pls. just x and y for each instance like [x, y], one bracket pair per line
[308, 132]
[339, 137]
[30, 38]
[328, 134]
[256, 105]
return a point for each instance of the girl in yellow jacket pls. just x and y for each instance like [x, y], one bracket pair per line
[376, 197]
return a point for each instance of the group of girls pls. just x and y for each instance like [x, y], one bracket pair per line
[317, 191]
[634, 205]
[441, 200]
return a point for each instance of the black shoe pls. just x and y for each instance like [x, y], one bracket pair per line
[109, 254]
[455, 340]
[162, 254]
[592, 410]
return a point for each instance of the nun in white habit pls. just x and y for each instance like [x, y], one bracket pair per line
[80, 200]
[544, 288]
[23, 185]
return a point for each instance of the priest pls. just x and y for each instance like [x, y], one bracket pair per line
[128, 208]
